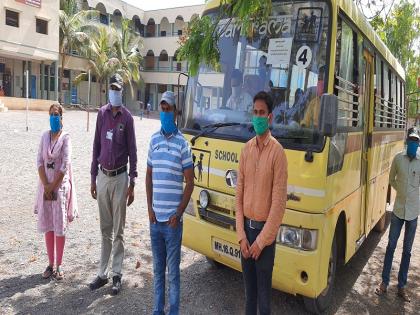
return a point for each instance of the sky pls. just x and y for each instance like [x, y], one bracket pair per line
[162, 4]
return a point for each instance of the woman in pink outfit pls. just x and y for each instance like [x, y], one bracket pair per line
[56, 201]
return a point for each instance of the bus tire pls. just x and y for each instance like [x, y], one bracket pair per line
[215, 264]
[322, 302]
[381, 224]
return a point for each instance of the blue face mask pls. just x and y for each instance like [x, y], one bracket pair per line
[115, 98]
[55, 123]
[167, 121]
[412, 147]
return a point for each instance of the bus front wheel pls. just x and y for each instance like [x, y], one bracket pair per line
[320, 304]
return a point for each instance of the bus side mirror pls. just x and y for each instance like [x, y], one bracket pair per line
[328, 115]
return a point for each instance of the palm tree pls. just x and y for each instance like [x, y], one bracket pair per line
[102, 57]
[113, 50]
[127, 49]
[74, 29]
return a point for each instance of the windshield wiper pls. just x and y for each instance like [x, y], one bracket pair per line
[213, 127]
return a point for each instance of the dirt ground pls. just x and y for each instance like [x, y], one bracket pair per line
[204, 289]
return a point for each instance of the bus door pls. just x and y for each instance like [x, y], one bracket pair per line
[366, 97]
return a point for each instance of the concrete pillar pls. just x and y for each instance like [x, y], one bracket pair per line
[156, 102]
[157, 30]
[42, 83]
[171, 67]
[30, 78]
[56, 81]
[48, 81]
[172, 29]
[23, 85]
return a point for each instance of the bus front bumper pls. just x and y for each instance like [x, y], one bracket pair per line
[295, 271]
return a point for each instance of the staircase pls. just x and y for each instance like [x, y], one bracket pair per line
[3, 109]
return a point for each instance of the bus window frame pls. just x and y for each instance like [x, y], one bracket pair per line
[315, 148]
[383, 65]
[357, 31]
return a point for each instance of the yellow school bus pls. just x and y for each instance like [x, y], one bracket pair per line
[338, 112]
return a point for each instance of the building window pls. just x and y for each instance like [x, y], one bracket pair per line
[12, 18]
[41, 26]
[103, 18]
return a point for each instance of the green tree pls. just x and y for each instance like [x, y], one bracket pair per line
[200, 44]
[74, 29]
[400, 31]
[127, 50]
[113, 50]
[101, 56]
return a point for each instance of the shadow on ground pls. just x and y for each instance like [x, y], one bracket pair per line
[205, 290]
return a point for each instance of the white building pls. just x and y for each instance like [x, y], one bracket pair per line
[29, 41]
[160, 31]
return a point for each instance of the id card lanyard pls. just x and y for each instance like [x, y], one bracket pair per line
[112, 123]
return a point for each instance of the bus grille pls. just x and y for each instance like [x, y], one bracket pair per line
[214, 215]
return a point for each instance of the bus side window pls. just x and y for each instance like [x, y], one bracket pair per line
[346, 73]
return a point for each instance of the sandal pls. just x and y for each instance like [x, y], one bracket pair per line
[403, 294]
[59, 274]
[48, 272]
[381, 290]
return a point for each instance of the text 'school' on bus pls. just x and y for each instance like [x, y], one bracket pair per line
[340, 115]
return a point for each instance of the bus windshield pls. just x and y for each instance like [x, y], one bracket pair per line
[286, 57]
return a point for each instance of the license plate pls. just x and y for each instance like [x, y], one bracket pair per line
[226, 249]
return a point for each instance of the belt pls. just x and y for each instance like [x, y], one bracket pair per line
[255, 225]
[112, 173]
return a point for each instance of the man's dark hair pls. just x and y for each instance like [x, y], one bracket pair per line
[237, 74]
[264, 96]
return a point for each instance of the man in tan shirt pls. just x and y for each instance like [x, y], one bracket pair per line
[260, 203]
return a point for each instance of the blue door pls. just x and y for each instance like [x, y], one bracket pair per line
[74, 94]
[33, 86]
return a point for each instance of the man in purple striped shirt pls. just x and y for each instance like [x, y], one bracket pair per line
[114, 145]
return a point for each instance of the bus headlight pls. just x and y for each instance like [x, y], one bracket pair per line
[190, 208]
[204, 199]
[297, 237]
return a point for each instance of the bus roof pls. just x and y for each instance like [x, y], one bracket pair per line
[349, 8]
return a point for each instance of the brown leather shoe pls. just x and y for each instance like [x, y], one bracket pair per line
[381, 290]
[402, 293]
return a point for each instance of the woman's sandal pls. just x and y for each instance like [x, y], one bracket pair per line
[59, 274]
[381, 290]
[49, 271]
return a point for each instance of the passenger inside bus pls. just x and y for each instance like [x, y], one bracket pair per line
[240, 99]
[295, 112]
[253, 84]
[279, 95]
[263, 72]
[313, 101]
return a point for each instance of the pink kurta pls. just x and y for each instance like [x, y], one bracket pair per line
[55, 215]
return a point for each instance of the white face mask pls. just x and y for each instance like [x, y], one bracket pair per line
[115, 98]
[236, 91]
